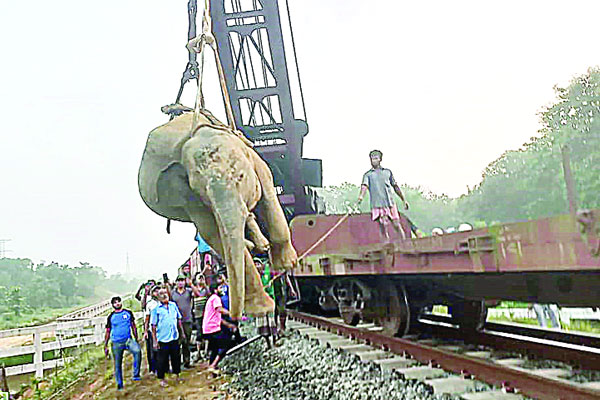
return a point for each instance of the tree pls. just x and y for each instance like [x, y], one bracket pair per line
[574, 121]
[14, 301]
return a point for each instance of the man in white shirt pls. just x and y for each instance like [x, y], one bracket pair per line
[150, 305]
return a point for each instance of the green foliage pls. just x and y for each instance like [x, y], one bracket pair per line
[529, 183]
[85, 362]
[343, 198]
[523, 184]
[12, 300]
[31, 294]
[503, 318]
[427, 209]
[25, 358]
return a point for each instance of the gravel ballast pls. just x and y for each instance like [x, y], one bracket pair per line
[302, 369]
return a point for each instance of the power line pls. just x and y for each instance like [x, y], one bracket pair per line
[3, 249]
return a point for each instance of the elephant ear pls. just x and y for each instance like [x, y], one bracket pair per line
[173, 187]
[163, 149]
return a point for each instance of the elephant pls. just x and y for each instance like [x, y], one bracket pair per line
[215, 179]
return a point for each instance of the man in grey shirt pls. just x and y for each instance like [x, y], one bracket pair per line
[380, 182]
[183, 297]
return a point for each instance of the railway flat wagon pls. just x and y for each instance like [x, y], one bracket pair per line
[352, 270]
[550, 260]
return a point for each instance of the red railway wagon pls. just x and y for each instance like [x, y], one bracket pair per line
[550, 260]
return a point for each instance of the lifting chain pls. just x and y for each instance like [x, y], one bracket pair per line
[194, 70]
[191, 69]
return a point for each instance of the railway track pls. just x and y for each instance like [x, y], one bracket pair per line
[468, 365]
[577, 349]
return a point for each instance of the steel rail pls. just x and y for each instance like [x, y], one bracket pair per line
[582, 351]
[526, 383]
[555, 334]
[578, 338]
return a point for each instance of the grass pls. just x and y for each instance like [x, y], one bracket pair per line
[44, 316]
[86, 360]
[576, 325]
[26, 359]
[504, 318]
[513, 304]
[584, 326]
[37, 317]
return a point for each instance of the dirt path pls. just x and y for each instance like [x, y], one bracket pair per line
[23, 340]
[198, 384]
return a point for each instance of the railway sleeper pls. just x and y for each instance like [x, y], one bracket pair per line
[440, 381]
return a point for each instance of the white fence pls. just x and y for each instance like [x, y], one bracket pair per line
[91, 311]
[71, 330]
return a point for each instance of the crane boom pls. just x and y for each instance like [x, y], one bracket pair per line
[253, 53]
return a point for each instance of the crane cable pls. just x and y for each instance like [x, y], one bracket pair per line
[314, 245]
[198, 45]
[325, 235]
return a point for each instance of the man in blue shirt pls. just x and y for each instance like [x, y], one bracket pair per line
[203, 247]
[119, 325]
[165, 319]
[224, 289]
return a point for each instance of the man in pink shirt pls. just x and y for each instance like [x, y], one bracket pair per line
[211, 326]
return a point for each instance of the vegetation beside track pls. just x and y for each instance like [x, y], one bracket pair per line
[33, 294]
[525, 183]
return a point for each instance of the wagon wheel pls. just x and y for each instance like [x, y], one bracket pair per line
[470, 315]
[349, 314]
[393, 310]
[350, 303]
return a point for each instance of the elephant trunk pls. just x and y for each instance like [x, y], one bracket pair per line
[230, 213]
[245, 287]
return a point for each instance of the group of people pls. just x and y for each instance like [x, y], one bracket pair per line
[173, 311]
[171, 314]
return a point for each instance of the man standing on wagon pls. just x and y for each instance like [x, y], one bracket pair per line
[380, 182]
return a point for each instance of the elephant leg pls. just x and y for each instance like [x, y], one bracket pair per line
[256, 236]
[283, 253]
[257, 302]
[230, 214]
[206, 225]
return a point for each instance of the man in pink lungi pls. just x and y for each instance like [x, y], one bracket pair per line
[380, 182]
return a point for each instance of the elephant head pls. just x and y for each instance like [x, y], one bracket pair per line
[211, 177]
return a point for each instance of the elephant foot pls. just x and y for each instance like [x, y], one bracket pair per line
[258, 306]
[257, 247]
[284, 256]
[260, 241]
[262, 246]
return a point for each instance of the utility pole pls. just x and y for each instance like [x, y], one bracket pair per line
[569, 181]
[3, 249]
[127, 267]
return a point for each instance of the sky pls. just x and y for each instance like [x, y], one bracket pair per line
[443, 88]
